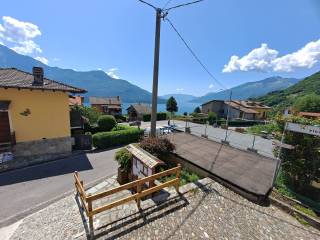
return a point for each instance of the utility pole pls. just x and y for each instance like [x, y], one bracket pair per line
[161, 13]
[228, 111]
[155, 73]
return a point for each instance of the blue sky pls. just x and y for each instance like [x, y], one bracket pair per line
[118, 37]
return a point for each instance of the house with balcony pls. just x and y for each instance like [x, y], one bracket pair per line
[34, 116]
[237, 109]
[107, 105]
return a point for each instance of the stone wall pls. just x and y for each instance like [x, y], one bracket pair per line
[32, 152]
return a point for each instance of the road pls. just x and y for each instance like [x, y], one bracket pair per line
[236, 139]
[24, 191]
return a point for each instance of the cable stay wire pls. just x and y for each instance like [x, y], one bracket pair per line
[167, 3]
[194, 54]
[182, 5]
[149, 4]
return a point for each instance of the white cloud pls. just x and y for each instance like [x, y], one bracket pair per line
[27, 47]
[307, 57]
[180, 89]
[21, 34]
[56, 59]
[258, 59]
[42, 59]
[211, 86]
[112, 73]
[266, 59]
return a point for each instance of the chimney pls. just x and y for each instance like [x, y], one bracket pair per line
[37, 76]
[118, 98]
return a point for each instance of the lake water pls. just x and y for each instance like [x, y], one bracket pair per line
[182, 107]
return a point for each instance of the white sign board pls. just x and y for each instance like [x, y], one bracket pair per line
[307, 129]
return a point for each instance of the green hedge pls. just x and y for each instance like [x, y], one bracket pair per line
[240, 123]
[121, 118]
[104, 140]
[160, 116]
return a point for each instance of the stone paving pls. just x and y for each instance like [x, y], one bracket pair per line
[205, 210]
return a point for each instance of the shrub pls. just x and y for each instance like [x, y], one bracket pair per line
[124, 157]
[120, 118]
[212, 117]
[91, 128]
[106, 123]
[160, 116]
[157, 146]
[121, 127]
[91, 114]
[104, 140]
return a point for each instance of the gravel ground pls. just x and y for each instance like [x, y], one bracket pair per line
[209, 212]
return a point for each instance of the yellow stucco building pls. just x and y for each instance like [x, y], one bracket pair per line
[34, 114]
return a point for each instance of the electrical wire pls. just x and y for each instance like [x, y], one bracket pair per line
[194, 54]
[149, 4]
[167, 3]
[182, 5]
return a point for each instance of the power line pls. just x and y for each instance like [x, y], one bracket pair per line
[149, 4]
[194, 54]
[182, 5]
[167, 3]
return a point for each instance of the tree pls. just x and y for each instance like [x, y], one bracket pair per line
[197, 110]
[172, 105]
[301, 165]
[185, 114]
[91, 114]
[308, 103]
[212, 117]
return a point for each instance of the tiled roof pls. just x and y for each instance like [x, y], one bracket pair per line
[240, 108]
[141, 108]
[148, 159]
[75, 100]
[251, 104]
[14, 78]
[309, 114]
[105, 101]
[214, 100]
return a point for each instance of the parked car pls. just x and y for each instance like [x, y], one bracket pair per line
[135, 123]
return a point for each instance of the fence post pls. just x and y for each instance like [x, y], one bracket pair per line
[178, 177]
[138, 198]
[90, 217]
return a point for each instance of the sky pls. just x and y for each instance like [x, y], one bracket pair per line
[238, 41]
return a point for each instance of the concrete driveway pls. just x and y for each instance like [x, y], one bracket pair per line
[24, 191]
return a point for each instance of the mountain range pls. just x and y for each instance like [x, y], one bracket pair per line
[286, 97]
[179, 97]
[100, 84]
[96, 82]
[250, 89]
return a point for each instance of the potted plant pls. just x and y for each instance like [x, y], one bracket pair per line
[124, 159]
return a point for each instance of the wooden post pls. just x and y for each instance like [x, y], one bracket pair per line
[178, 177]
[90, 217]
[139, 199]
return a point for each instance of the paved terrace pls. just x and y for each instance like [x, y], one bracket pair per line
[247, 170]
[206, 210]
